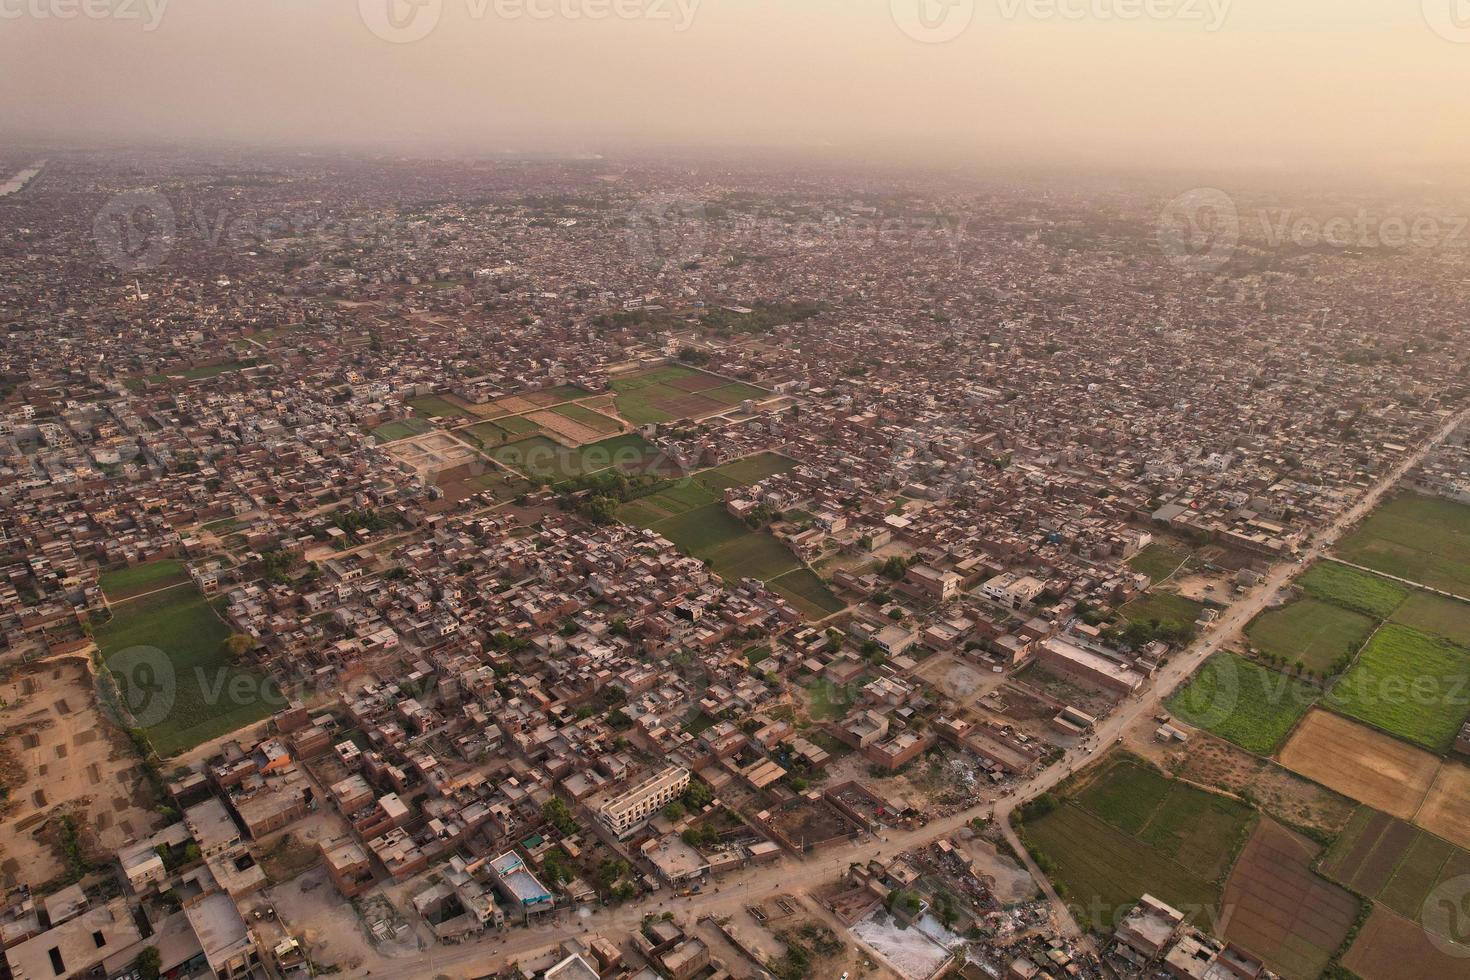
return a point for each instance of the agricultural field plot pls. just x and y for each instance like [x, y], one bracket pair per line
[1280, 909]
[61, 753]
[1360, 763]
[805, 590]
[1125, 794]
[1164, 608]
[542, 458]
[604, 425]
[1158, 561]
[1411, 685]
[1436, 615]
[486, 435]
[1316, 633]
[434, 407]
[210, 697]
[751, 469]
[1366, 855]
[400, 429]
[1421, 539]
[148, 577]
[1091, 862]
[1242, 702]
[1391, 947]
[673, 392]
[1446, 810]
[1352, 589]
[555, 396]
[204, 371]
[671, 501]
[1298, 802]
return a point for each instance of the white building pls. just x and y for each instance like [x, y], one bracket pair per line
[626, 811]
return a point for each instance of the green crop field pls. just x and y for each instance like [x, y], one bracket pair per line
[1164, 607]
[517, 425]
[1316, 633]
[751, 469]
[1130, 830]
[1353, 589]
[138, 579]
[485, 434]
[805, 589]
[211, 697]
[1436, 614]
[1409, 684]
[433, 407]
[1421, 539]
[545, 459]
[204, 371]
[1242, 702]
[1158, 561]
[674, 392]
[400, 429]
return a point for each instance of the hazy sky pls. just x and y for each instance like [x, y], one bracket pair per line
[1342, 84]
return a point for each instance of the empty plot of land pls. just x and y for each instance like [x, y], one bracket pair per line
[1391, 947]
[1282, 911]
[572, 431]
[751, 469]
[148, 577]
[1361, 763]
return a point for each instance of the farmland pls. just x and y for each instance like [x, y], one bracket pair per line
[1280, 909]
[400, 429]
[1360, 763]
[544, 459]
[1128, 829]
[211, 696]
[1422, 539]
[433, 407]
[751, 469]
[1408, 684]
[1242, 702]
[673, 392]
[805, 589]
[1436, 614]
[1352, 589]
[584, 416]
[1314, 632]
[1390, 947]
[148, 577]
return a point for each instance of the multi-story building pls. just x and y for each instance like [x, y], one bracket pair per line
[626, 811]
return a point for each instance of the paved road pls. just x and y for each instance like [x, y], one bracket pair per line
[786, 876]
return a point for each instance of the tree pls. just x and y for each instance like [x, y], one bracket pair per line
[238, 645]
[150, 962]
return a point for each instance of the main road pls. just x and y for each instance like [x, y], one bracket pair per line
[485, 955]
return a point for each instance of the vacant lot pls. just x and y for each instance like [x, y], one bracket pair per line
[804, 589]
[1158, 561]
[1422, 539]
[148, 577]
[1280, 909]
[1317, 633]
[1390, 947]
[1163, 609]
[177, 633]
[1437, 615]
[584, 416]
[751, 469]
[1242, 702]
[1275, 790]
[1361, 763]
[1353, 589]
[1409, 684]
